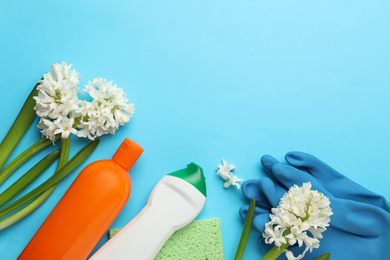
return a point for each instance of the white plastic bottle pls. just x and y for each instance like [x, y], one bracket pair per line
[175, 201]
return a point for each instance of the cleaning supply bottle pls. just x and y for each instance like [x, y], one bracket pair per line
[86, 210]
[175, 201]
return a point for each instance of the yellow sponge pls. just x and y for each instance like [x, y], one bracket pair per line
[199, 240]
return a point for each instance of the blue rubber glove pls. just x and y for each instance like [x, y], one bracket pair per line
[360, 225]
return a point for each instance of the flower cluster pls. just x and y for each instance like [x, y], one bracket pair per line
[108, 110]
[300, 218]
[61, 112]
[225, 171]
[57, 101]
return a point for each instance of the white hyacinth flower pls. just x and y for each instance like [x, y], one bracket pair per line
[62, 113]
[65, 128]
[108, 110]
[276, 235]
[302, 214]
[225, 171]
[57, 101]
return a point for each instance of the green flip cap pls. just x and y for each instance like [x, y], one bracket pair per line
[193, 174]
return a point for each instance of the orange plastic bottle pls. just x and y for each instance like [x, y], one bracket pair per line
[86, 210]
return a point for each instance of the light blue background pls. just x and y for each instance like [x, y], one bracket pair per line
[211, 80]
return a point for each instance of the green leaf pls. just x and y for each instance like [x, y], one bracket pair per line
[62, 173]
[18, 128]
[247, 229]
[28, 177]
[323, 257]
[36, 202]
[23, 157]
[25, 211]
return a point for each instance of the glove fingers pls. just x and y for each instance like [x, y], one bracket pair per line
[336, 183]
[271, 190]
[251, 189]
[314, 166]
[359, 218]
[258, 212]
[260, 221]
[268, 163]
[288, 176]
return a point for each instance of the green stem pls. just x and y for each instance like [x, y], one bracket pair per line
[15, 217]
[28, 177]
[62, 173]
[247, 229]
[18, 128]
[23, 157]
[22, 213]
[36, 202]
[64, 155]
[275, 252]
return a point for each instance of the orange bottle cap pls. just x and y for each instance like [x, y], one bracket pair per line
[127, 154]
